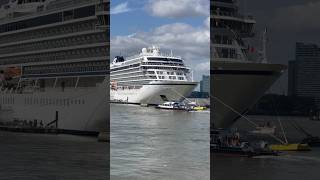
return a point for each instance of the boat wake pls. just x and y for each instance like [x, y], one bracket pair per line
[290, 157]
[206, 111]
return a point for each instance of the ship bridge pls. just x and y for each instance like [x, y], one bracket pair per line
[225, 14]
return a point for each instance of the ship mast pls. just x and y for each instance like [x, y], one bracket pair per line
[264, 47]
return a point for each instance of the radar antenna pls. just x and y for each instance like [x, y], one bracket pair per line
[264, 47]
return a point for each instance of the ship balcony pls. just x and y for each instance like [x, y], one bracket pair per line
[62, 4]
[226, 54]
[242, 30]
[50, 32]
[103, 7]
[225, 3]
[157, 64]
[232, 16]
[247, 34]
[56, 43]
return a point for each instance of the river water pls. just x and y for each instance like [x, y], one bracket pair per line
[148, 143]
[47, 156]
[290, 165]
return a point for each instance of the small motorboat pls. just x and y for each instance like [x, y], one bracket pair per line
[290, 147]
[216, 149]
[170, 105]
[232, 145]
[244, 150]
[198, 108]
[193, 106]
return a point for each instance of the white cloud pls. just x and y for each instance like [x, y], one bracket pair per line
[203, 67]
[178, 8]
[191, 43]
[120, 8]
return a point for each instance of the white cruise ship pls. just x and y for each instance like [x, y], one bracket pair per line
[54, 58]
[239, 68]
[150, 78]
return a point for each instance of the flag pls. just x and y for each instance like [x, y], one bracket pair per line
[2, 78]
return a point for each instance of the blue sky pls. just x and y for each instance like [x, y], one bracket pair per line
[178, 25]
[137, 18]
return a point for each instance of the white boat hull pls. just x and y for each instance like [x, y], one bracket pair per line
[237, 87]
[83, 110]
[154, 93]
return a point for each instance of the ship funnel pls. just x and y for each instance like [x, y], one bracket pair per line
[144, 51]
[155, 50]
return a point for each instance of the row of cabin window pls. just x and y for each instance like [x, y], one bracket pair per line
[51, 31]
[162, 72]
[134, 78]
[162, 63]
[58, 43]
[226, 53]
[126, 67]
[171, 77]
[68, 65]
[125, 71]
[133, 73]
[46, 20]
[222, 39]
[66, 69]
[56, 56]
[164, 59]
[165, 68]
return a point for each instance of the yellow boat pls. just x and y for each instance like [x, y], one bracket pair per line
[290, 147]
[199, 108]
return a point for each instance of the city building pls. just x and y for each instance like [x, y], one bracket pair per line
[205, 84]
[304, 72]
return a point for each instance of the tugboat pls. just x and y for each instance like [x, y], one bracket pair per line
[230, 144]
[290, 147]
[244, 150]
[193, 106]
[170, 105]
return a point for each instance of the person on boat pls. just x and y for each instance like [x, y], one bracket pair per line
[268, 124]
[219, 141]
[41, 124]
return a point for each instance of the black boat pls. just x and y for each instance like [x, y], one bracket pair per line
[312, 141]
[240, 151]
[230, 151]
[230, 144]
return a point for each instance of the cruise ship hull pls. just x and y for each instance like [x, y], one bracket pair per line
[78, 110]
[154, 93]
[237, 87]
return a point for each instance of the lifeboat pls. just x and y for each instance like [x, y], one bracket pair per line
[12, 72]
[114, 85]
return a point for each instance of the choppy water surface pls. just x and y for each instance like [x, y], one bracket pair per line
[148, 143]
[291, 165]
[58, 157]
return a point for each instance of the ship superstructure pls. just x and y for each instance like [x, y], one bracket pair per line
[239, 67]
[150, 77]
[54, 58]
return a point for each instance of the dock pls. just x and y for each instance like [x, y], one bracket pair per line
[49, 130]
[30, 129]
